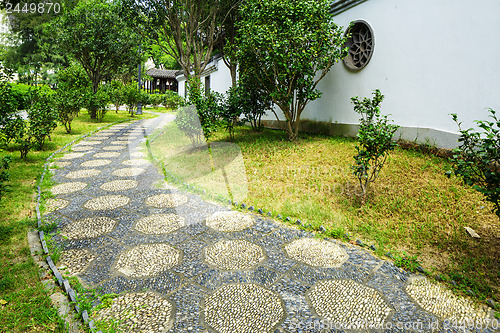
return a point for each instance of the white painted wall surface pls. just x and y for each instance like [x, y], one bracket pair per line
[220, 80]
[431, 58]
[220, 77]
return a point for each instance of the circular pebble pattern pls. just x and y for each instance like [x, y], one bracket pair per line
[348, 303]
[88, 228]
[70, 156]
[107, 154]
[229, 221]
[107, 202]
[114, 147]
[52, 205]
[90, 142]
[95, 163]
[244, 308]
[138, 312]
[234, 254]
[82, 148]
[135, 162]
[75, 261]
[138, 154]
[60, 164]
[128, 172]
[316, 252]
[147, 260]
[166, 200]
[83, 173]
[440, 301]
[159, 224]
[119, 185]
[68, 188]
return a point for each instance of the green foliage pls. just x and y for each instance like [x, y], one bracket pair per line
[132, 96]
[231, 110]
[172, 100]
[288, 46]
[22, 94]
[116, 94]
[200, 119]
[73, 91]
[407, 262]
[95, 35]
[477, 160]
[42, 118]
[375, 140]
[97, 103]
[254, 101]
[4, 174]
[155, 100]
[8, 102]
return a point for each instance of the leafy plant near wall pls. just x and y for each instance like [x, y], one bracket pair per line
[477, 160]
[375, 140]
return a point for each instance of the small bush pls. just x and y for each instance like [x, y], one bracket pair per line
[375, 140]
[254, 102]
[207, 112]
[4, 174]
[22, 94]
[97, 103]
[132, 96]
[74, 88]
[172, 100]
[116, 93]
[231, 110]
[477, 160]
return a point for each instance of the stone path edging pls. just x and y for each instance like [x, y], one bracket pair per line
[72, 295]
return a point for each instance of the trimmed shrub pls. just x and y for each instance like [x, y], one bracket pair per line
[375, 140]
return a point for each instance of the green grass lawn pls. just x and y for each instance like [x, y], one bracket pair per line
[413, 211]
[28, 308]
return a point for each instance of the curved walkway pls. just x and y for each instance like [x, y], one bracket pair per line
[182, 264]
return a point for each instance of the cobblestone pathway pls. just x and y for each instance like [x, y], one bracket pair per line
[182, 264]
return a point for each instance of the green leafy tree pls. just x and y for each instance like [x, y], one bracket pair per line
[97, 37]
[254, 101]
[186, 30]
[73, 91]
[116, 95]
[97, 104]
[375, 140]
[477, 159]
[27, 48]
[132, 96]
[42, 118]
[172, 100]
[290, 46]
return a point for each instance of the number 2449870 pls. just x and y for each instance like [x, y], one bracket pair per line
[32, 8]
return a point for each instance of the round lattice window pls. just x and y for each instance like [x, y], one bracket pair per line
[360, 42]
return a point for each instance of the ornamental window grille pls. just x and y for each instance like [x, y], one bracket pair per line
[360, 41]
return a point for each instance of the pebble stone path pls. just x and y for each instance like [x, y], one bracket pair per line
[183, 264]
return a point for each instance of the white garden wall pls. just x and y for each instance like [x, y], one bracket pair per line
[431, 58]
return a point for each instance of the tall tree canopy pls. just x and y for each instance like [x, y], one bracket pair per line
[95, 35]
[27, 48]
[187, 30]
[289, 46]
